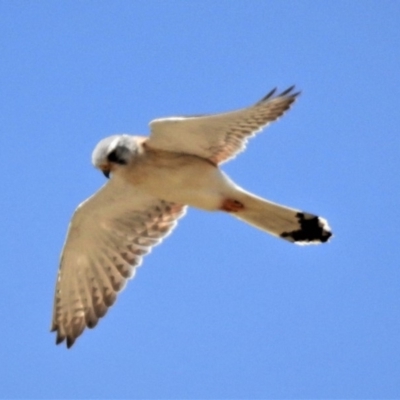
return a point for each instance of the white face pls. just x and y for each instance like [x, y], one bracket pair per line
[114, 151]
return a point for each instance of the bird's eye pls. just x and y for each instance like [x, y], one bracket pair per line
[112, 157]
[115, 157]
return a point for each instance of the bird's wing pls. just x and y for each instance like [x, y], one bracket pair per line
[107, 238]
[218, 137]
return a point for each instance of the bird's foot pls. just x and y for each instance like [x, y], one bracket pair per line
[231, 205]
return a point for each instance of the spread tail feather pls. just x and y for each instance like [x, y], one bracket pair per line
[287, 223]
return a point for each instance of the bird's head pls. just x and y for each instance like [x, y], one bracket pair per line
[114, 152]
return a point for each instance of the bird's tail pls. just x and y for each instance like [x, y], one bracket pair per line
[287, 223]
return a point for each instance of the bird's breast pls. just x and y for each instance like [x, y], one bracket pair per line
[180, 178]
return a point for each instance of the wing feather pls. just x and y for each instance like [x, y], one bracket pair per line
[107, 238]
[219, 137]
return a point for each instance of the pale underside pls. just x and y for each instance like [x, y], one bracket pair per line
[112, 230]
[107, 238]
[218, 137]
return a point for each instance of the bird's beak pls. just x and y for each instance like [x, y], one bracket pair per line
[106, 173]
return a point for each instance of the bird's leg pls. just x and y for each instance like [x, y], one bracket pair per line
[231, 205]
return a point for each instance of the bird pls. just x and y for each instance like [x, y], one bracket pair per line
[151, 182]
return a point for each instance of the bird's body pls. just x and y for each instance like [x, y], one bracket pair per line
[178, 177]
[153, 180]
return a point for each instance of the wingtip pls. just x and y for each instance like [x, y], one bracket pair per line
[289, 92]
[70, 342]
[269, 95]
[286, 93]
[60, 338]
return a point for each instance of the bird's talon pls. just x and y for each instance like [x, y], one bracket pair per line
[230, 205]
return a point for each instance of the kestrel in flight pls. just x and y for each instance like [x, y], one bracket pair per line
[152, 181]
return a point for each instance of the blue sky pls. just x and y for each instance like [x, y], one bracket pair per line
[219, 310]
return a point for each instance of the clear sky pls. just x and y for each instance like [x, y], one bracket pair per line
[219, 310]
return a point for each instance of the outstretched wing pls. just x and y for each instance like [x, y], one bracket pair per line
[107, 238]
[218, 137]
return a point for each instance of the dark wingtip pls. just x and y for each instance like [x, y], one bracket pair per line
[289, 93]
[60, 338]
[269, 95]
[286, 92]
[70, 342]
[313, 229]
[91, 323]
